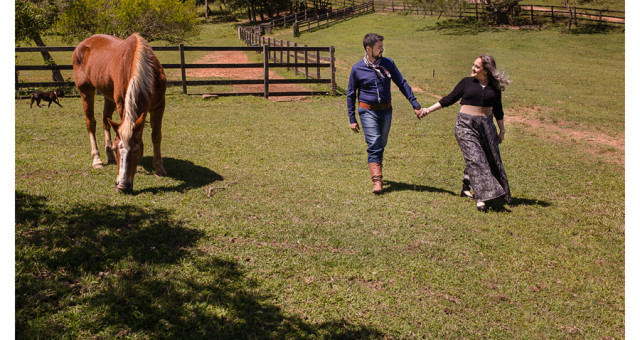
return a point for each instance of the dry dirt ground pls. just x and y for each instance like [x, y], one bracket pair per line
[238, 57]
[610, 149]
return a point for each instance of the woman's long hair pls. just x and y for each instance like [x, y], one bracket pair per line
[496, 78]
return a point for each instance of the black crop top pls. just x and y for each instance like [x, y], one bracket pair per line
[472, 93]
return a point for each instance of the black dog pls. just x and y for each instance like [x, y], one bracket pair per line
[51, 96]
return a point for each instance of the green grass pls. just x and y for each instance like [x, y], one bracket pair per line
[291, 244]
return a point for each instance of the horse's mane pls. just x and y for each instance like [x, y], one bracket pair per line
[139, 88]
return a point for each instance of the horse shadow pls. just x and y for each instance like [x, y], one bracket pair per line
[190, 175]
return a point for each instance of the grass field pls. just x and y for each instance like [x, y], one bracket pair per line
[266, 228]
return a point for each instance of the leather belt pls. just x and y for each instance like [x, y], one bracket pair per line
[374, 107]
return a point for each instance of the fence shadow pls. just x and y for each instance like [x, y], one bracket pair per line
[190, 175]
[89, 270]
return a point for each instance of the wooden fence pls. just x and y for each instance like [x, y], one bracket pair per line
[475, 10]
[332, 17]
[299, 58]
[270, 53]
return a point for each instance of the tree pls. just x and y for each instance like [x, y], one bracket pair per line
[501, 10]
[174, 21]
[33, 18]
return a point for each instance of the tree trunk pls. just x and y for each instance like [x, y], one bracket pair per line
[55, 74]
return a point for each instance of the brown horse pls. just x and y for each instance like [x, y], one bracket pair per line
[132, 81]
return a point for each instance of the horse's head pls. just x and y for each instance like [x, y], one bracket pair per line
[129, 149]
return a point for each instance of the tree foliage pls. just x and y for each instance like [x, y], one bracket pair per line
[32, 18]
[170, 20]
[498, 12]
[501, 12]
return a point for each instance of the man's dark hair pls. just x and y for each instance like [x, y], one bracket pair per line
[371, 39]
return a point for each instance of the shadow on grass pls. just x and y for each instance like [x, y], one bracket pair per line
[397, 186]
[465, 26]
[191, 175]
[499, 205]
[86, 271]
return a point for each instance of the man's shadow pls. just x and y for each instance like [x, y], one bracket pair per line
[398, 186]
[190, 175]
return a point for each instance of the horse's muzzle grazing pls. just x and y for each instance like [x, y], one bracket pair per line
[125, 188]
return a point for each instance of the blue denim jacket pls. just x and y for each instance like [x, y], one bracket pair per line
[375, 90]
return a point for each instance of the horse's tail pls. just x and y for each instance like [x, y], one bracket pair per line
[140, 82]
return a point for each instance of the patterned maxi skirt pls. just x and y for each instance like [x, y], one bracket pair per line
[478, 140]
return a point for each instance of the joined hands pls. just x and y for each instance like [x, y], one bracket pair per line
[421, 112]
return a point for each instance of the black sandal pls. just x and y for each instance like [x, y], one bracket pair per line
[466, 191]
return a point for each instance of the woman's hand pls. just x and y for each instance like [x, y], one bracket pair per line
[500, 136]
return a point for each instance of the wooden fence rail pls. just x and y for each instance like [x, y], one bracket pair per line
[266, 49]
[474, 9]
[299, 58]
[332, 17]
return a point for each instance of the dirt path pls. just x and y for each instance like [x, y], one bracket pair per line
[585, 16]
[610, 149]
[238, 57]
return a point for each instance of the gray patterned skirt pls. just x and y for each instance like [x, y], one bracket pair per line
[478, 140]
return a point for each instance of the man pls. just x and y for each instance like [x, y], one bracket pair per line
[371, 78]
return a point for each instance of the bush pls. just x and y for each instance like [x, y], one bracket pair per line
[169, 20]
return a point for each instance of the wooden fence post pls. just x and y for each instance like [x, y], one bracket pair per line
[306, 61]
[531, 14]
[288, 56]
[332, 51]
[553, 19]
[600, 21]
[265, 58]
[295, 58]
[182, 69]
[318, 61]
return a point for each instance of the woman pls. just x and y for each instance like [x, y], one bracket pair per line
[476, 135]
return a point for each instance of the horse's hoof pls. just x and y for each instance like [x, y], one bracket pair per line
[161, 173]
[98, 166]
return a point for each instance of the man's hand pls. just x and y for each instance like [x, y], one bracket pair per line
[418, 112]
[355, 127]
[422, 112]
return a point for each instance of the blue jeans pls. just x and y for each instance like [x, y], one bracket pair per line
[376, 126]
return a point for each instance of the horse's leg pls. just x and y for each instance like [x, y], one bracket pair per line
[88, 96]
[156, 136]
[109, 107]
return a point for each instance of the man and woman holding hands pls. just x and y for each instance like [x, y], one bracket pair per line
[480, 96]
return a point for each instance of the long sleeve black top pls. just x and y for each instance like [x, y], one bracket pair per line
[472, 93]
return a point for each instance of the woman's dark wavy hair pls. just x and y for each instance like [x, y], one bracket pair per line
[496, 78]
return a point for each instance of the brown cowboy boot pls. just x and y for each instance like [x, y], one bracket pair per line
[376, 177]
